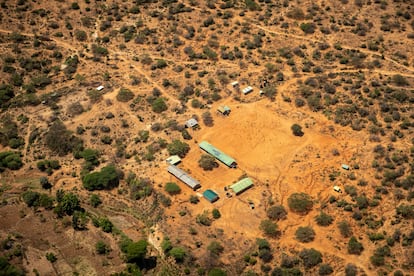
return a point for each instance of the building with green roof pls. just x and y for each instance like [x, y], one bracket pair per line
[210, 195]
[242, 185]
[219, 155]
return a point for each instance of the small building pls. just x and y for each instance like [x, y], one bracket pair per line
[192, 123]
[247, 90]
[337, 189]
[345, 167]
[210, 195]
[224, 110]
[100, 87]
[242, 185]
[222, 157]
[184, 177]
[235, 84]
[173, 160]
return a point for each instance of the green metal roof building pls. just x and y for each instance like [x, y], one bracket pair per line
[210, 195]
[242, 185]
[219, 155]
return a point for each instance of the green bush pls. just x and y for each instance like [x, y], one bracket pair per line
[215, 248]
[355, 247]
[323, 219]
[10, 160]
[276, 212]
[269, 228]
[60, 140]
[178, 254]
[297, 130]
[178, 148]
[107, 178]
[310, 257]
[136, 251]
[300, 203]
[305, 234]
[95, 200]
[102, 248]
[159, 105]
[172, 188]
[216, 213]
[124, 95]
[207, 162]
[81, 35]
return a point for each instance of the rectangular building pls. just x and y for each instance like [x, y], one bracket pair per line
[184, 177]
[219, 155]
[242, 185]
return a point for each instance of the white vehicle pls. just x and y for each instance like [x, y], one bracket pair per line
[337, 189]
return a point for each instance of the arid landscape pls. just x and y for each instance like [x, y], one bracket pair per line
[318, 96]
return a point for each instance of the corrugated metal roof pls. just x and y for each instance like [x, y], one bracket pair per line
[174, 159]
[242, 185]
[218, 154]
[184, 177]
[210, 195]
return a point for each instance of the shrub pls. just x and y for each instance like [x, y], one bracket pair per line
[310, 257]
[172, 188]
[207, 162]
[102, 248]
[80, 35]
[399, 80]
[95, 200]
[10, 160]
[216, 272]
[178, 254]
[107, 178]
[351, 270]
[276, 212]
[203, 219]
[323, 219]
[345, 229]
[269, 228]
[305, 234]
[124, 95]
[159, 105]
[215, 248]
[300, 202]
[60, 140]
[406, 211]
[308, 28]
[51, 257]
[207, 119]
[216, 213]
[178, 148]
[325, 269]
[354, 247]
[297, 130]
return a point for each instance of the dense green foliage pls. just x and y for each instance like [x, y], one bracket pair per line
[105, 179]
[276, 212]
[10, 160]
[207, 162]
[136, 251]
[178, 148]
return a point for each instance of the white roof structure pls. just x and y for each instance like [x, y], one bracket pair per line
[100, 87]
[234, 83]
[247, 90]
[184, 177]
[191, 123]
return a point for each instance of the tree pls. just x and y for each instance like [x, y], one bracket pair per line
[60, 140]
[269, 228]
[69, 204]
[297, 130]
[276, 212]
[159, 105]
[355, 247]
[178, 148]
[310, 257]
[136, 251]
[172, 188]
[107, 178]
[178, 254]
[300, 203]
[207, 162]
[95, 200]
[80, 35]
[102, 248]
[106, 225]
[305, 234]
[351, 270]
[323, 219]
